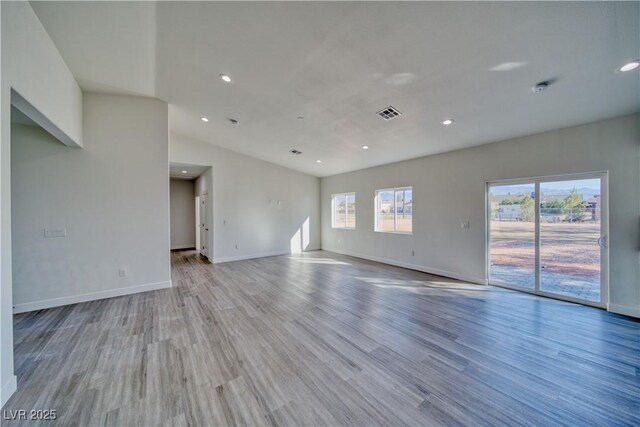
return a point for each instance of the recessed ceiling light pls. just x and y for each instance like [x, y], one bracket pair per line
[225, 78]
[318, 161]
[233, 121]
[300, 118]
[204, 119]
[365, 147]
[184, 171]
[447, 122]
[630, 66]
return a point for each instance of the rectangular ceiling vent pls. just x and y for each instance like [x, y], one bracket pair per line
[296, 152]
[389, 113]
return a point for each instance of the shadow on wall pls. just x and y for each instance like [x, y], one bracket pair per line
[300, 240]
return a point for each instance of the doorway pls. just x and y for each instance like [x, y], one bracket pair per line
[196, 223]
[548, 236]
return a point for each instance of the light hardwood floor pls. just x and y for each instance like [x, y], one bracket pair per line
[324, 339]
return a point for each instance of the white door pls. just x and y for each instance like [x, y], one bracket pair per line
[204, 227]
[197, 230]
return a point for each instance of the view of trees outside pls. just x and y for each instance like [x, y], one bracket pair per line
[570, 215]
[569, 231]
[513, 246]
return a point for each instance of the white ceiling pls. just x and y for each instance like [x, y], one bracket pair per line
[336, 64]
[177, 171]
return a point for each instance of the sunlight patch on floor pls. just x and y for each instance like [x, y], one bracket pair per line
[318, 261]
[410, 285]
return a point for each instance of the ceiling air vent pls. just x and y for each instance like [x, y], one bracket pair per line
[296, 152]
[389, 113]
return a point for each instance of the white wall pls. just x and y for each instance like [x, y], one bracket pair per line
[244, 192]
[450, 188]
[112, 197]
[31, 65]
[183, 214]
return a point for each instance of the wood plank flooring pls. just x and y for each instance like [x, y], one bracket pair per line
[325, 339]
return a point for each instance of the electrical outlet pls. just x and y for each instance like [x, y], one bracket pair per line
[122, 272]
[55, 232]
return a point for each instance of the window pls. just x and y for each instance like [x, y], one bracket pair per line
[394, 210]
[343, 207]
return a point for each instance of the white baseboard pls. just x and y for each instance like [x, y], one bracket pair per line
[74, 299]
[8, 388]
[248, 256]
[430, 270]
[627, 310]
[176, 247]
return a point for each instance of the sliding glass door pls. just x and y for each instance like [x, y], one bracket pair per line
[512, 235]
[571, 238]
[547, 236]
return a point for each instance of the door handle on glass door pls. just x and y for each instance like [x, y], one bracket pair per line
[602, 241]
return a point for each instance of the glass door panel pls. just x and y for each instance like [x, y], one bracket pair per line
[512, 235]
[570, 238]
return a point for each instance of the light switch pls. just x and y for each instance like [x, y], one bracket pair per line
[55, 232]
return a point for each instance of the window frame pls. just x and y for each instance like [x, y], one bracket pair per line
[395, 213]
[346, 210]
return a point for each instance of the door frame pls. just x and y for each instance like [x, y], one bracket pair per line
[604, 232]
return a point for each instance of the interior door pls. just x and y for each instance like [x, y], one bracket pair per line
[197, 228]
[204, 226]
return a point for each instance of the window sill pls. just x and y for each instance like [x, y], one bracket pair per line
[405, 233]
